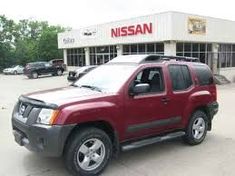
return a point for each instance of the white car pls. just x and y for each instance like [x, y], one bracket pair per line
[16, 69]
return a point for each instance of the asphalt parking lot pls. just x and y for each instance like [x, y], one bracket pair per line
[214, 157]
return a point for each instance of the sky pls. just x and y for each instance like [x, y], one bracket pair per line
[82, 13]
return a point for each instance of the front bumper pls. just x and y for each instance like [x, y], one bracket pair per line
[43, 139]
[72, 76]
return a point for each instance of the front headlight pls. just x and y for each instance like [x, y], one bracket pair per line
[47, 116]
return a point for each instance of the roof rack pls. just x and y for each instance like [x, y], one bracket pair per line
[138, 59]
[165, 57]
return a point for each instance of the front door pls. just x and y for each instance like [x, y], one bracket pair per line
[147, 114]
[49, 68]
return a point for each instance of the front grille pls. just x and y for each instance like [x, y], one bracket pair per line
[24, 109]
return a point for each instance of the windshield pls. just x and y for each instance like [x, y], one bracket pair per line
[106, 78]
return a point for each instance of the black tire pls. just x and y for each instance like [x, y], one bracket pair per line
[34, 75]
[15, 73]
[72, 151]
[189, 137]
[59, 72]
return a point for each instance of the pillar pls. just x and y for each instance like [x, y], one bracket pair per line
[170, 48]
[87, 55]
[119, 50]
[65, 56]
[215, 51]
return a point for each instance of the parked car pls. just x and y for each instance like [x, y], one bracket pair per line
[35, 69]
[15, 69]
[58, 62]
[130, 102]
[78, 73]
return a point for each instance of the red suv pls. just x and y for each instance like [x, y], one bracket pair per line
[130, 102]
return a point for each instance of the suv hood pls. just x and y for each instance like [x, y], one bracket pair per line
[65, 95]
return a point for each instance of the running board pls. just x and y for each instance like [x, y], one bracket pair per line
[151, 140]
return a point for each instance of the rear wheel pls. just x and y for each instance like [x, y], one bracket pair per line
[59, 72]
[88, 152]
[197, 128]
[34, 75]
[15, 72]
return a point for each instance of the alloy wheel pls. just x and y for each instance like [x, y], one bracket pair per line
[91, 154]
[199, 127]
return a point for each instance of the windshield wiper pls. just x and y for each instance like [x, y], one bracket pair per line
[92, 87]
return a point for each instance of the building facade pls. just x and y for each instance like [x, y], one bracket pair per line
[170, 33]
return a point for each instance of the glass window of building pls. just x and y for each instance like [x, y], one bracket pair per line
[144, 48]
[76, 57]
[203, 51]
[226, 55]
[103, 54]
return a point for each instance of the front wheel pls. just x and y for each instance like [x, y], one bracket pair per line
[88, 152]
[197, 128]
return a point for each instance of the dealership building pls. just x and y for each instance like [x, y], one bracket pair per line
[170, 33]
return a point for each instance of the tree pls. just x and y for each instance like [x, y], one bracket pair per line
[7, 33]
[27, 41]
[48, 45]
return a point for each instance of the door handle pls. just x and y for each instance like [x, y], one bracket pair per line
[165, 100]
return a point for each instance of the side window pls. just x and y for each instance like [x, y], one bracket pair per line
[180, 77]
[203, 74]
[187, 76]
[47, 64]
[40, 65]
[153, 77]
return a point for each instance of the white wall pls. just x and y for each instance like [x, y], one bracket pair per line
[217, 30]
[166, 26]
[161, 31]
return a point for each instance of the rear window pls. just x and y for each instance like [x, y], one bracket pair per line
[203, 74]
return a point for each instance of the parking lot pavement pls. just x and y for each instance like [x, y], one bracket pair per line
[214, 157]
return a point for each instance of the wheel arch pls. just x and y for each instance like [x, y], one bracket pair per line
[103, 125]
[205, 109]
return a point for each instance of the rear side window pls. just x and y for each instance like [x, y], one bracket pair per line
[203, 74]
[180, 77]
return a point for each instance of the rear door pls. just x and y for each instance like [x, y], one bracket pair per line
[40, 68]
[181, 87]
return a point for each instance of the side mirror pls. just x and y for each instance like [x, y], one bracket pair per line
[140, 88]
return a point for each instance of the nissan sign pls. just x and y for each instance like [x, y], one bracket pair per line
[138, 29]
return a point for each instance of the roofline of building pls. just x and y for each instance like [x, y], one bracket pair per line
[142, 16]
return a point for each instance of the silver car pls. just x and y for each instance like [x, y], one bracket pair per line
[16, 69]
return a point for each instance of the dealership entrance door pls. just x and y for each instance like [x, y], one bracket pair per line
[102, 54]
[101, 59]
